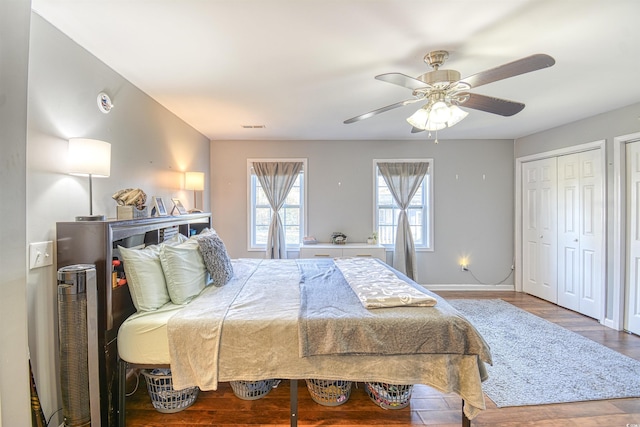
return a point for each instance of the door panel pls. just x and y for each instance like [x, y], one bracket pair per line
[569, 232]
[591, 234]
[632, 317]
[540, 224]
[589, 276]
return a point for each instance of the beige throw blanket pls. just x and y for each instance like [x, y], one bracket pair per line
[194, 332]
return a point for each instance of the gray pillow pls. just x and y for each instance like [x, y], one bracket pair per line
[215, 256]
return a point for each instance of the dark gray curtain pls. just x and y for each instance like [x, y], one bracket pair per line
[403, 180]
[276, 179]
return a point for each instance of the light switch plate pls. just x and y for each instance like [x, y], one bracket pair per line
[40, 254]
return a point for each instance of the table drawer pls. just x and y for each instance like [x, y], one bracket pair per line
[365, 252]
[320, 252]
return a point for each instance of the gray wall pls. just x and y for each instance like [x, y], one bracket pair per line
[622, 121]
[607, 126]
[150, 149]
[14, 370]
[473, 217]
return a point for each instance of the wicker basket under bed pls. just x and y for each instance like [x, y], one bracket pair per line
[389, 396]
[252, 390]
[329, 392]
[163, 396]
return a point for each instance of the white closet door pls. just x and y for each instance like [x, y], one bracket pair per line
[591, 237]
[569, 231]
[539, 250]
[580, 232]
[633, 238]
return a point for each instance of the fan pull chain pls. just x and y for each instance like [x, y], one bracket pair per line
[429, 137]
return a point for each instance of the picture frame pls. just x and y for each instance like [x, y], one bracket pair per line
[159, 208]
[177, 205]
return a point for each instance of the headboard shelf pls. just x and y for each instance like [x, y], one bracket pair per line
[96, 242]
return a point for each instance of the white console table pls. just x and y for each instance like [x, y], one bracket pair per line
[329, 250]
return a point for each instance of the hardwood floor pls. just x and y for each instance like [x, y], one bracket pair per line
[428, 407]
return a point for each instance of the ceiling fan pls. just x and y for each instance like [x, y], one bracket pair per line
[445, 92]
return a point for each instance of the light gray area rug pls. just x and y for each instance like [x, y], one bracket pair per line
[537, 362]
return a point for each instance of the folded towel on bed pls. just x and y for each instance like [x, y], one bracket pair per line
[376, 286]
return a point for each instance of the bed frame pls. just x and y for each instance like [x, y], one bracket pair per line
[95, 242]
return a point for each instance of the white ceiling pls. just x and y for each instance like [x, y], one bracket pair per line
[302, 67]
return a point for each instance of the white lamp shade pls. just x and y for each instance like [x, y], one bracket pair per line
[437, 116]
[421, 120]
[194, 181]
[440, 112]
[457, 114]
[89, 157]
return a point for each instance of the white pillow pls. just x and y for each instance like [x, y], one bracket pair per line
[184, 270]
[145, 277]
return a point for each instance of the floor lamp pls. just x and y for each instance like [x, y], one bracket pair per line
[194, 181]
[92, 158]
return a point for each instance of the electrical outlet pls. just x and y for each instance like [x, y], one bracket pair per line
[40, 254]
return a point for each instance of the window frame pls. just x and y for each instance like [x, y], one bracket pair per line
[251, 247]
[428, 210]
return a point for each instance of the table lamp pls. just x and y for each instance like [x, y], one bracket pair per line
[92, 158]
[194, 181]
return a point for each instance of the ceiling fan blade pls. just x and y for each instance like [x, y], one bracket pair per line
[515, 68]
[489, 104]
[381, 110]
[402, 80]
[416, 130]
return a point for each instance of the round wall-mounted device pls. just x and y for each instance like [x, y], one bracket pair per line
[104, 102]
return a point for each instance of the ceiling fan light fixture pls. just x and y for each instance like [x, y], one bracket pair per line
[436, 116]
[421, 119]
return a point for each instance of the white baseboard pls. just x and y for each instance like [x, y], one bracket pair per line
[469, 287]
[611, 324]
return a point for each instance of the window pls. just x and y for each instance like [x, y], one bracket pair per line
[292, 212]
[420, 211]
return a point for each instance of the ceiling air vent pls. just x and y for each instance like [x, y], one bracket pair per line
[253, 126]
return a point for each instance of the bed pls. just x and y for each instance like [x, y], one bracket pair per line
[267, 322]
